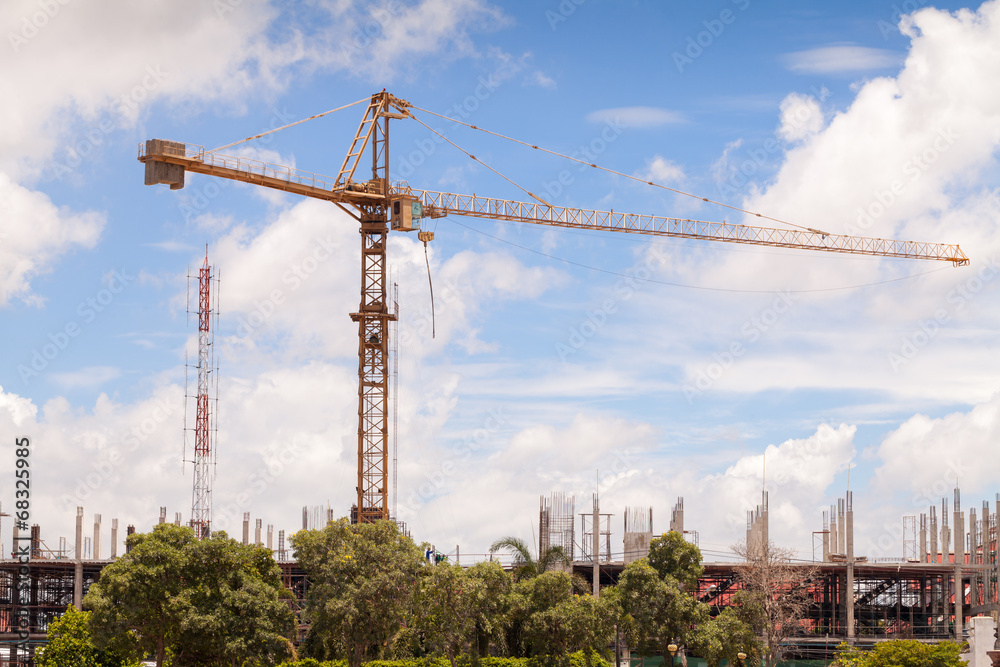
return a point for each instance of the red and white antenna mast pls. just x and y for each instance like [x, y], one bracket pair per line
[204, 431]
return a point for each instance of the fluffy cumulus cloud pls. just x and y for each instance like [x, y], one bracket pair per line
[911, 157]
[35, 233]
[186, 54]
[801, 116]
[957, 444]
[661, 170]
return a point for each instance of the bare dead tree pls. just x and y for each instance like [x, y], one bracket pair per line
[775, 595]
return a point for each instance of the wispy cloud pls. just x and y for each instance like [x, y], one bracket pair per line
[636, 116]
[841, 58]
[91, 376]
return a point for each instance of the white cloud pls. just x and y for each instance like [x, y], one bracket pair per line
[539, 78]
[91, 376]
[801, 116]
[637, 117]
[926, 458]
[661, 170]
[842, 58]
[186, 53]
[34, 234]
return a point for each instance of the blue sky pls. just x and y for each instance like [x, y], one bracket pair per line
[559, 353]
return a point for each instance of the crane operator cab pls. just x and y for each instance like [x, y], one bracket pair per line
[405, 214]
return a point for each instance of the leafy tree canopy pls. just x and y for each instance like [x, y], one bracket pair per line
[902, 653]
[204, 601]
[673, 556]
[70, 643]
[363, 581]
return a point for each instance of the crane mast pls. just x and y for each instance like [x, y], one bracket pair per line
[378, 205]
[372, 317]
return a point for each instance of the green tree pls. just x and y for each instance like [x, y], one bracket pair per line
[491, 604]
[902, 653]
[724, 638]
[444, 610]
[205, 602]
[528, 598]
[525, 566]
[673, 556]
[658, 611]
[71, 643]
[141, 591]
[578, 623]
[237, 607]
[363, 581]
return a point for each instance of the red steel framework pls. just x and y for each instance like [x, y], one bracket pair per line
[201, 495]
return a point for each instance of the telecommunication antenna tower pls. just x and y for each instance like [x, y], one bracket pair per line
[204, 426]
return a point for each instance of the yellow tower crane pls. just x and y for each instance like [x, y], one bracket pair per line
[379, 206]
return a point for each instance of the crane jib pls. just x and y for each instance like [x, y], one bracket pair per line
[166, 162]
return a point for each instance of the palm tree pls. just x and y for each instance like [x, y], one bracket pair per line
[526, 567]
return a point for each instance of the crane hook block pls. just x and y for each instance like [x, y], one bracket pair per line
[405, 214]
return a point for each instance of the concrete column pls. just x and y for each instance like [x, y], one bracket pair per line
[826, 538]
[834, 541]
[596, 530]
[849, 534]
[97, 537]
[959, 560]
[78, 566]
[246, 528]
[270, 537]
[163, 515]
[256, 531]
[934, 535]
[114, 539]
[973, 554]
[841, 538]
[923, 538]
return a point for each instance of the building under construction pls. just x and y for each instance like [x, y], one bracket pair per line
[912, 597]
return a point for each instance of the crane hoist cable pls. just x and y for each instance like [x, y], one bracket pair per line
[424, 237]
[473, 157]
[617, 173]
[258, 136]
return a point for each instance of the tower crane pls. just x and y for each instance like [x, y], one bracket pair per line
[380, 206]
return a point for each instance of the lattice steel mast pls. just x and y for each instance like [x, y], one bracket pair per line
[201, 495]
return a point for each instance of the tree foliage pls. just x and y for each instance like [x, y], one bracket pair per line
[70, 643]
[724, 638]
[363, 581]
[902, 653]
[673, 556]
[445, 609]
[490, 599]
[658, 611]
[525, 566]
[206, 602]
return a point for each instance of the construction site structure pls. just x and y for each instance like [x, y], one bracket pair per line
[377, 204]
[638, 532]
[556, 519]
